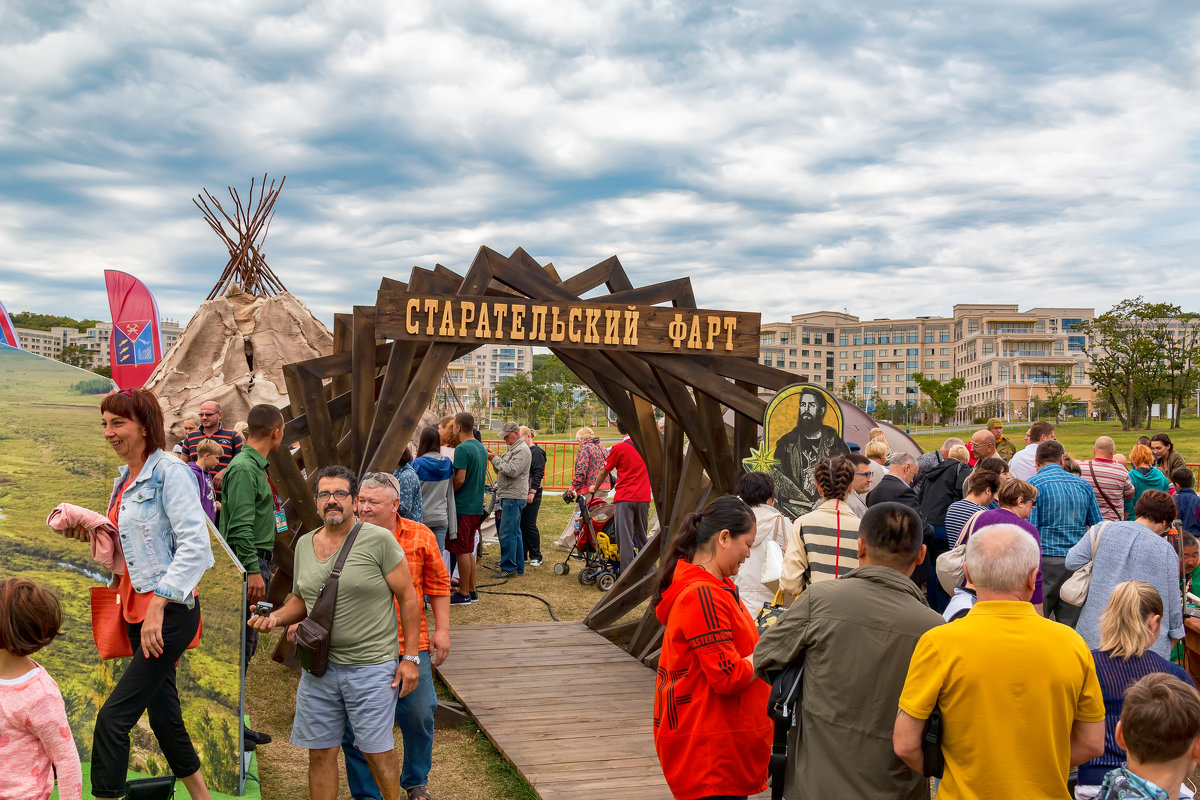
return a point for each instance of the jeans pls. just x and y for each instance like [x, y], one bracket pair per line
[148, 685]
[934, 593]
[512, 558]
[414, 715]
[439, 533]
[531, 536]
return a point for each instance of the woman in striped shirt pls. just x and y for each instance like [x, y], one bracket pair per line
[1129, 627]
[823, 543]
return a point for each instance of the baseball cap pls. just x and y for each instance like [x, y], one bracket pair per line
[510, 427]
[995, 422]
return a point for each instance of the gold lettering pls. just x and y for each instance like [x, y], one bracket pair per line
[714, 330]
[730, 327]
[631, 327]
[410, 324]
[518, 322]
[467, 316]
[573, 316]
[501, 310]
[677, 330]
[431, 308]
[537, 324]
[612, 326]
[694, 342]
[590, 334]
[447, 328]
[558, 328]
[484, 329]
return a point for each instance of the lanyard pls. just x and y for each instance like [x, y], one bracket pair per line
[274, 494]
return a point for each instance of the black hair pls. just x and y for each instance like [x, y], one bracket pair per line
[1162, 437]
[1183, 478]
[725, 513]
[338, 471]
[834, 476]
[858, 459]
[430, 441]
[892, 532]
[465, 420]
[622, 428]
[262, 420]
[994, 464]
[406, 457]
[1049, 452]
[755, 488]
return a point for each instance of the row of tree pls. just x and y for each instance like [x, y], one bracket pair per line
[550, 398]
[1143, 354]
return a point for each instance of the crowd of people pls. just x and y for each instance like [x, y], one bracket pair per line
[1054, 666]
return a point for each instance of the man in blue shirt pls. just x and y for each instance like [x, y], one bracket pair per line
[1186, 501]
[1066, 507]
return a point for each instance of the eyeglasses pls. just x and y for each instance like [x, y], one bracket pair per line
[340, 494]
[863, 474]
[206, 413]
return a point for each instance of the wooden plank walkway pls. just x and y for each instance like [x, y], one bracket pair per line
[570, 710]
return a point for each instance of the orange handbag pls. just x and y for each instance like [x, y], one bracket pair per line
[108, 625]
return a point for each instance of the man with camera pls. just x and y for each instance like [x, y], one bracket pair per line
[357, 685]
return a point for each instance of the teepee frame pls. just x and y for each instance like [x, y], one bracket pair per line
[246, 270]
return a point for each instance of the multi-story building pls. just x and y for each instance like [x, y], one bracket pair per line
[479, 371]
[1008, 358]
[94, 339]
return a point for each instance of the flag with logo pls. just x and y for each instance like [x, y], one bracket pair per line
[8, 334]
[136, 343]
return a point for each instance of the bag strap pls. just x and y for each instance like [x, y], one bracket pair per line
[969, 528]
[326, 602]
[345, 551]
[1097, 532]
[1100, 489]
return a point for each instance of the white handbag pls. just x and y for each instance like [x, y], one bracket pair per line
[951, 565]
[772, 568]
[1074, 590]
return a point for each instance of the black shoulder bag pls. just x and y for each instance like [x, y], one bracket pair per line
[931, 746]
[314, 631]
[783, 707]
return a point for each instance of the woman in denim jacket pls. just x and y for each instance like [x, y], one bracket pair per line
[164, 535]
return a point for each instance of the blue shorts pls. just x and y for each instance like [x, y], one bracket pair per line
[362, 696]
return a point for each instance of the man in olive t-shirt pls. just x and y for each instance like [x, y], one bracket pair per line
[470, 475]
[358, 688]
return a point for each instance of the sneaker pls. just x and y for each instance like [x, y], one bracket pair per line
[509, 574]
[536, 562]
[256, 736]
[457, 599]
[474, 597]
[419, 793]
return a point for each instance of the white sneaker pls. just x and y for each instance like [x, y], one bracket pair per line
[537, 562]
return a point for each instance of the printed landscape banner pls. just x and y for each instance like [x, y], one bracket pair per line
[136, 343]
[52, 451]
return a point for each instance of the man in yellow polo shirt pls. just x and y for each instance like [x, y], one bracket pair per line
[1018, 693]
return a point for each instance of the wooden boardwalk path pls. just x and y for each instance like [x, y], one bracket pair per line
[569, 709]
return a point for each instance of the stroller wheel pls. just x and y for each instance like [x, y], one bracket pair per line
[605, 581]
[587, 576]
[562, 568]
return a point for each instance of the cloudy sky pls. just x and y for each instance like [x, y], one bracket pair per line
[787, 156]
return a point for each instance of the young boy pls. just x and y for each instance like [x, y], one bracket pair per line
[1160, 731]
[208, 457]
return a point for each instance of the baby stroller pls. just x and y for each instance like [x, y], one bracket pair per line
[600, 554]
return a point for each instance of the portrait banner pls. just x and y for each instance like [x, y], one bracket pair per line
[803, 423]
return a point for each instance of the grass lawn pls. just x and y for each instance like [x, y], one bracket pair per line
[1078, 436]
[465, 765]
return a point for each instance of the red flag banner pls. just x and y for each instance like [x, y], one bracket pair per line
[136, 343]
[8, 334]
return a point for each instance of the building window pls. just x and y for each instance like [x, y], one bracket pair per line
[804, 338]
[766, 338]
[843, 339]
[791, 365]
[928, 365]
[792, 351]
[1075, 344]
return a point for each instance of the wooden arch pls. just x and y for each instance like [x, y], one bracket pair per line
[360, 405]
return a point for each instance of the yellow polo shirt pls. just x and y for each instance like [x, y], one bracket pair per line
[1010, 685]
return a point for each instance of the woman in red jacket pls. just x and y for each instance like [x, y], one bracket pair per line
[711, 728]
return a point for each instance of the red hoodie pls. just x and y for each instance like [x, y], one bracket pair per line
[711, 728]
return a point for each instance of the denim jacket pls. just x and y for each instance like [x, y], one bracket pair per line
[163, 528]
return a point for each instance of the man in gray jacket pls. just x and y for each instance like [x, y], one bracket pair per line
[856, 636]
[512, 487]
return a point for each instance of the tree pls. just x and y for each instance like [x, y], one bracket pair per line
[105, 370]
[1058, 395]
[523, 396]
[943, 396]
[44, 322]
[76, 355]
[848, 391]
[883, 410]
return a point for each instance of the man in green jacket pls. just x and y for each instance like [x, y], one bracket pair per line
[251, 514]
[855, 636]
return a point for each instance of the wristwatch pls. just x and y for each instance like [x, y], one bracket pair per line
[414, 659]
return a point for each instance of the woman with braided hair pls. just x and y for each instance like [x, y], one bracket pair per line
[823, 543]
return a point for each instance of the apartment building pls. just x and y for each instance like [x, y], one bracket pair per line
[95, 339]
[480, 370]
[1006, 356]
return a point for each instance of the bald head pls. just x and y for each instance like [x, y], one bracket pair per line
[1002, 560]
[1105, 447]
[950, 443]
[983, 444]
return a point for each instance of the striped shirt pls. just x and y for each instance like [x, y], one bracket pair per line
[957, 515]
[822, 545]
[1116, 675]
[230, 441]
[1110, 481]
[1066, 507]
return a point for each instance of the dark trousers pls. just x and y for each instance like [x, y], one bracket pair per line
[529, 528]
[264, 569]
[935, 546]
[148, 685]
[630, 521]
[1054, 574]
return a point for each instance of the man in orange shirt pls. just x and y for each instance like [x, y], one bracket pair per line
[379, 504]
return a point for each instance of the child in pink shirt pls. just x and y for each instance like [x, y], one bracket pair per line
[35, 739]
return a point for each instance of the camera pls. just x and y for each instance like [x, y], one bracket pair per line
[263, 608]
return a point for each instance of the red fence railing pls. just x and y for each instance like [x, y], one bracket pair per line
[560, 461]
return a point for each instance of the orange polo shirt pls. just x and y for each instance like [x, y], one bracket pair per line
[425, 565]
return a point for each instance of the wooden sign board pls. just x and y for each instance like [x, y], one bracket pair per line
[566, 324]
